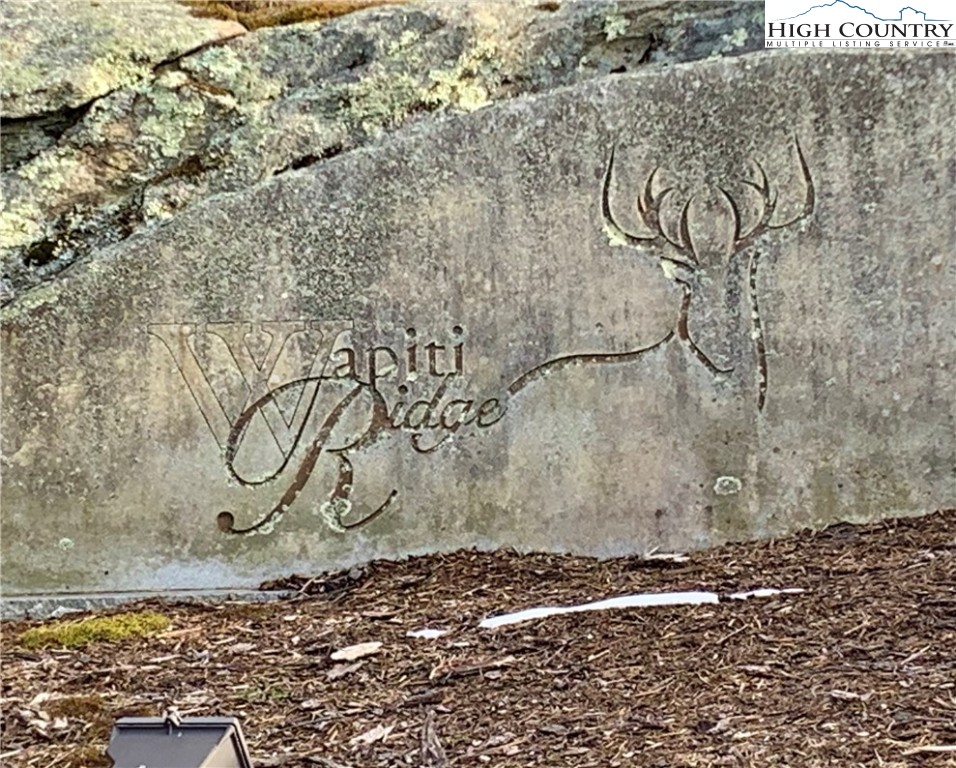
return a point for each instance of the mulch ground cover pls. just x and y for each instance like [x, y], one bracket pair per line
[857, 670]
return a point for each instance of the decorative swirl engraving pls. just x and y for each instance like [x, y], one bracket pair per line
[429, 421]
[378, 420]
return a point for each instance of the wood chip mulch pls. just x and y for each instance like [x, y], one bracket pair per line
[857, 670]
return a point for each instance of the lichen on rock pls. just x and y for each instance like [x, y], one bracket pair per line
[67, 53]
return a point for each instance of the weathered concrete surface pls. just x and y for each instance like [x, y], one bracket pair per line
[786, 367]
[231, 115]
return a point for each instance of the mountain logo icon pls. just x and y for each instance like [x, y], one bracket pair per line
[907, 14]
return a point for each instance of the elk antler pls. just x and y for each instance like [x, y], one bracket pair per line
[742, 239]
[649, 209]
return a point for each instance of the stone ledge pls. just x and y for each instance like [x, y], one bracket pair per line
[53, 606]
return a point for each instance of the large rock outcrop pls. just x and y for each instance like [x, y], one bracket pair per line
[114, 121]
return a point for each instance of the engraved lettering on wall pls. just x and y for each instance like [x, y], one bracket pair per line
[303, 386]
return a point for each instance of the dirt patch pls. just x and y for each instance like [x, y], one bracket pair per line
[860, 669]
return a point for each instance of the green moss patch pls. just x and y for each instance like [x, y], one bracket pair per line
[71, 634]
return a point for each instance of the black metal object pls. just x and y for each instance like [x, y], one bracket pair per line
[174, 742]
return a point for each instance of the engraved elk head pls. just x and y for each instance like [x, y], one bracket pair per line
[707, 268]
